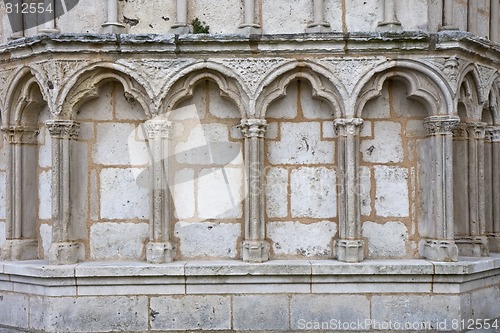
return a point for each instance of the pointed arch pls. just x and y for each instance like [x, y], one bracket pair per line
[468, 95]
[84, 86]
[274, 86]
[424, 84]
[492, 103]
[183, 84]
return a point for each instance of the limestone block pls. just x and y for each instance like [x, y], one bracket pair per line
[2, 233]
[90, 314]
[300, 144]
[313, 192]
[94, 196]
[183, 193]
[190, 313]
[208, 239]
[45, 195]
[415, 310]
[328, 130]
[3, 154]
[219, 106]
[86, 131]
[415, 128]
[391, 192]
[220, 193]
[113, 146]
[158, 17]
[386, 240]
[223, 17]
[405, 12]
[484, 302]
[3, 184]
[298, 239]
[101, 108]
[285, 17]
[121, 197]
[83, 18]
[126, 109]
[277, 192]
[363, 15]
[46, 237]
[45, 149]
[364, 190]
[307, 310]
[386, 146]
[271, 130]
[332, 10]
[14, 310]
[261, 312]
[118, 240]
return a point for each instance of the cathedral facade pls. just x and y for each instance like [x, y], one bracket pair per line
[249, 165]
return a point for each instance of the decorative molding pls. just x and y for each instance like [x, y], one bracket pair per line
[439, 125]
[63, 129]
[253, 128]
[21, 134]
[158, 129]
[345, 127]
[492, 133]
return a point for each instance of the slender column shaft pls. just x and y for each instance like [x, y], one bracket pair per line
[112, 24]
[442, 246]
[112, 10]
[318, 10]
[50, 17]
[448, 19]
[64, 249]
[349, 247]
[249, 26]
[249, 12]
[318, 24]
[255, 247]
[476, 178]
[182, 12]
[160, 249]
[495, 21]
[18, 190]
[389, 11]
[493, 135]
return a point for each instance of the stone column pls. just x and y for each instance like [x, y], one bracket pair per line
[318, 24]
[349, 247]
[181, 26]
[475, 242]
[441, 244]
[493, 136]
[255, 248]
[112, 26]
[495, 21]
[64, 249]
[160, 249]
[249, 26]
[49, 26]
[390, 22]
[448, 17]
[21, 243]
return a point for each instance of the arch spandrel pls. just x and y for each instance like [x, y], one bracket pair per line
[424, 84]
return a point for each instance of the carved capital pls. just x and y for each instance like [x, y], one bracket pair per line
[345, 127]
[21, 134]
[476, 130]
[63, 129]
[440, 125]
[461, 131]
[158, 129]
[492, 133]
[253, 128]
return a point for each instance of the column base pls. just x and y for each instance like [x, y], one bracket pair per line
[181, 29]
[66, 253]
[249, 29]
[472, 246]
[113, 28]
[494, 242]
[389, 26]
[48, 31]
[440, 250]
[160, 253]
[319, 27]
[19, 249]
[349, 250]
[255, 251]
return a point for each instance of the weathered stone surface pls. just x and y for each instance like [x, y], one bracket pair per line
[90, 314]
[46, 237]
[313, 192]
[44, 149]
[2, 233]
[121, 197]
[207, 239]
[391, 194]
[3, 179]
[183, 193]
[485, 302]
[14, 310]
[190, 313]
[277, 192]
[387, 146]
[45, 195]
[309, 311]
[220, 193]
[386, 240]
[261, 312]
[118, 240]
[300, 144]
[364, 190]
[298, 239]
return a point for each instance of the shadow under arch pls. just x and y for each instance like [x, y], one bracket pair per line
[423, 82]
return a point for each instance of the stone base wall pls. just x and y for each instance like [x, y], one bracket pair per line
[278, 296]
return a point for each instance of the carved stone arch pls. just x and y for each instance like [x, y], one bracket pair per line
[492, 103]
[85, 86]
[424, 83]
[472, 75]
[24, 94]
[468, 96]
[274, 87]
[184, 87]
